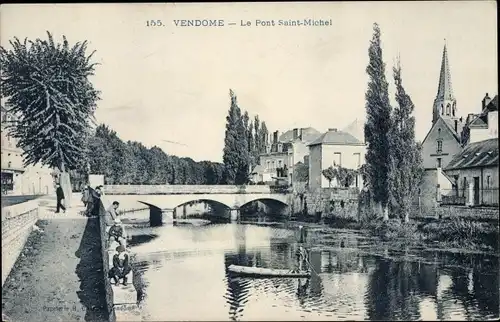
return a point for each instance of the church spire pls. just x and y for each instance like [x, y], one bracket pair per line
[444, 103]
[445, 91]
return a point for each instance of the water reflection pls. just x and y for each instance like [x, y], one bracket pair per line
[346, 283]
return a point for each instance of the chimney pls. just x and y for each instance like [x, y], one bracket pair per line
[300, 134]
[486, 100]
[469, 117]
[332, 129]
[295, 133]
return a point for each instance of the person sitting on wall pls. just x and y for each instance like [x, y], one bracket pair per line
[112, 213]
[117, 232]
[121, 266]
[85, 195]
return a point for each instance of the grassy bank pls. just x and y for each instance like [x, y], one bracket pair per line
[452, 233]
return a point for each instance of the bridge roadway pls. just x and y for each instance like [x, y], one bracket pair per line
[169, 197]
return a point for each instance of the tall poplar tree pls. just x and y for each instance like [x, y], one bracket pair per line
[257, 142]
[235, 154]
[263, 137]
[406, 170]
[378, 124]
[251, 145]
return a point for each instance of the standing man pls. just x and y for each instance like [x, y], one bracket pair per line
[60, 198]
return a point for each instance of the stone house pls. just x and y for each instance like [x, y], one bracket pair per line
[334, 148]
[474, 173]
[283, 152]
[17, 179]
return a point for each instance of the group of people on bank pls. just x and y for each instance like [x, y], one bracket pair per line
[115, 231]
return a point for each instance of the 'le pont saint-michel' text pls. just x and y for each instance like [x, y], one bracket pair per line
[256, 23]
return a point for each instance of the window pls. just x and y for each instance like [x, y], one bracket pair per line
[268, 164]
[357, 157]
[488, 178]
[273, 164]
[356, 178]
[439, 162]
[439, 146]
[448, 111]
[279, 163]
[280, 147]
[337, 159]
[10, 164]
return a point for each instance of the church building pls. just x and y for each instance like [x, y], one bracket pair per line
[443, 141]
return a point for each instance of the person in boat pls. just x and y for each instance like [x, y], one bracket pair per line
[302, 260]
[121, 266]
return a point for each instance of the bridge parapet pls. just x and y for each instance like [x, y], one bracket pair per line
[185, 189]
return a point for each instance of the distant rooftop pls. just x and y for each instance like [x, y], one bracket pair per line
[477, 154]
[309, 134]
[336, 137]
[356, 129]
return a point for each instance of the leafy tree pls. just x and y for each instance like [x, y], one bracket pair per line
[47, 87]
[235, 148]
[345, 177]
[377, 126]
[330, 173]
[405, 170]
[301, 172]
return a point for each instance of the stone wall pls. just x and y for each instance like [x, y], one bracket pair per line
[17, 224]
[183, 189]
[327, 201]
[121, 300]
[489, 213]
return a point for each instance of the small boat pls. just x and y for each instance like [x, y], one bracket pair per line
[265, 272]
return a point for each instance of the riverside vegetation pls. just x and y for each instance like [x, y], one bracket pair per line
[450, 233]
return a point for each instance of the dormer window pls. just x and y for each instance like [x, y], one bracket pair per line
[280, 147]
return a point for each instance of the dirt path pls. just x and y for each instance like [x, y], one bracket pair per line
[58, 276]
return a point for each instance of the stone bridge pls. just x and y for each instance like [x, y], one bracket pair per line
[165, 198]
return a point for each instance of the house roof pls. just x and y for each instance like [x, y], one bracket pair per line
[493, 104]
[448, 125]
[335, 137]
[309, 134]
[476, 155]
[451, 125]
[479, 121]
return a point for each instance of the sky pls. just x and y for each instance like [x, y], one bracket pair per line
[171, 83]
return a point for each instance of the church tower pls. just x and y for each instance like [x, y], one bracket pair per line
[445, 105]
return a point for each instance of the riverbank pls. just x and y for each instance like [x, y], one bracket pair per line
[58, 276]
[450, 234]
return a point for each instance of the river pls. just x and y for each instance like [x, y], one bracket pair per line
[183, 270]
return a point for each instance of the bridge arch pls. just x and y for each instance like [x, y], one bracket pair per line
[203, 200]
[265, 200]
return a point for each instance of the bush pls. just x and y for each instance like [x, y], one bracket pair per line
[462, 232]
[392, 229]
